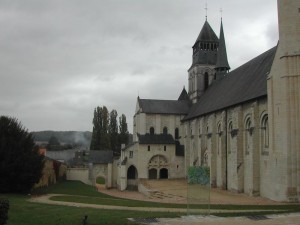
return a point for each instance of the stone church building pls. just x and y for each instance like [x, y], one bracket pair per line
[243, 124]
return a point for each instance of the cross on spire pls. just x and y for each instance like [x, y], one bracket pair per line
[221, 11]
[206, 10]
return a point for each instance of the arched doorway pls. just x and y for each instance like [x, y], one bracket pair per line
[158, 167]
[132, 178]
[152, 173]
[132, 173]
[163, 173]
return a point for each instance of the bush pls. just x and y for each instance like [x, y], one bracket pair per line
[4, 206]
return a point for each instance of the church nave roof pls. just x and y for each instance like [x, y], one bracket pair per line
[243, 84]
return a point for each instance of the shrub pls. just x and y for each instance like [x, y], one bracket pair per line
[4, 206]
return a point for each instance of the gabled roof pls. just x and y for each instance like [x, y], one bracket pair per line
[101, 156]
[153, 106]
[156, 139]
[207, 34]
[243, 84]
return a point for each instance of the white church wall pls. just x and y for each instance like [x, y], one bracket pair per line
[210, 138]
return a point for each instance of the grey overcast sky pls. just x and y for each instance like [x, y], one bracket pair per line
[60, 59]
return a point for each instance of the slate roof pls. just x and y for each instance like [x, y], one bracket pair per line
[101, 157]
[156, 139]
[222, 61]
[153, 106]
[207, 34]
[243, 84]
[65, 156]
[184, 95]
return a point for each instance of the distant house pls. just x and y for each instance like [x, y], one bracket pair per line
[52, 172]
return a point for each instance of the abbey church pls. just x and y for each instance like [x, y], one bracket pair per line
[243, 124]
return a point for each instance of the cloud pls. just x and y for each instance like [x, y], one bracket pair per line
[60, 59]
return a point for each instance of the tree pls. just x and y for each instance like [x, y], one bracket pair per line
[105, 141]
[21, 164]
[113, 131]
[53, 144]
[123, 128]
[97, 129]
[100, 137]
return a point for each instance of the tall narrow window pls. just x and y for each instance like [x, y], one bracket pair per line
[248, 136]
[165, 130]
[206, 81]
[151, 130]
[265, 131]
[176, 133]
[130, 154]
[230, 136]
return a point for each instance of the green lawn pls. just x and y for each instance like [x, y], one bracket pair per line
[22, 212]
[88, 194]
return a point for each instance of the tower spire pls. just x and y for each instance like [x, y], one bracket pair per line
[222, 65]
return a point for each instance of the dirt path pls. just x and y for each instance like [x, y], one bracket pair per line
[45, 199]
[287, 219]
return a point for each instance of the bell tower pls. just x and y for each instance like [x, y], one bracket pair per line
[202, 73]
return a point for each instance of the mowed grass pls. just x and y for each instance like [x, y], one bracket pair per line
[23, 212]
[87, 194]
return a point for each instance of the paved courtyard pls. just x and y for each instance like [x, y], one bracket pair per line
[175, 191]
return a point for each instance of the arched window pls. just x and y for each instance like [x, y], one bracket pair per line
[151, 130]
[248, 126]
[265, 131]
[176, 133]
[165, 130]
[219, 139]
[230, 136]
[248, 136]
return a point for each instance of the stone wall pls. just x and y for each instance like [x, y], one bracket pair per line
[229, 142]
[80, 174]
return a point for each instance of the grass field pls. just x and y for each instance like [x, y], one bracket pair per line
[22, 212]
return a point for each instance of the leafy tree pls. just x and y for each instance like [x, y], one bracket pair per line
[97, 129]
[123, 128]
[105, 141]
[21, 164]
[54, 145]
[100, 137]
[113, 131]
[53, 141]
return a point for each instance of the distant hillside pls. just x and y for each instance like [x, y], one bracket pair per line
[65, 137]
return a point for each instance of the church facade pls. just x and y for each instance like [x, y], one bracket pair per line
[243, 124]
